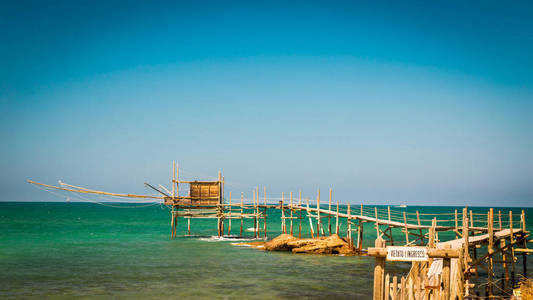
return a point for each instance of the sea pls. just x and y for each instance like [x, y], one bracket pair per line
[67, 250]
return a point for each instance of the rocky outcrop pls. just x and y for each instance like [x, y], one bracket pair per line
[280, 243]
[333, 244]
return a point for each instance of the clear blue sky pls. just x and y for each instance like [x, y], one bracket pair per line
[416, 102]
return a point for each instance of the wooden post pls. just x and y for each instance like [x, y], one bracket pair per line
[254, 200]
[377, 223]
[229, 221]
[219, 226]
[360, 236]
[500, 219]
[318, 221]
[283, 228]
[456, 225]
[189, 225]
[405, 228]
[337, 219]
[177, 180]
[257, 212]
[242, 211]
[300, 214]
[490, 271]
[446, 263]
[460, 282]
[265, 211]
[387, 287]
[257, 220]
[466, 255]
[524, 245]
[394, 293]
[403, 289]
[504, 259]
[379, 270]
[349, 219]
[309, 216]
[173, 179]
[172, 224]
[420, 230]
[291, 210]
[511, 240]
[471, 219]
[431, 243]
[329, 214]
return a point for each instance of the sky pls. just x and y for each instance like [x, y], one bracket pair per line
[418, 103]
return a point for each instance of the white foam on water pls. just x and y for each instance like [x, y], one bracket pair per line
[240, 245]
[251, 229]
[228, 238]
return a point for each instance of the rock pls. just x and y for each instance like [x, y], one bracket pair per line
[280, 243]
[333, 244]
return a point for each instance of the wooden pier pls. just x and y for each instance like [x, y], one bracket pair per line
[475, 255]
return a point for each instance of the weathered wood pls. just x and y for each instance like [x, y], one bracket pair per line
[337, 218]
[387, 287]
[490, 271]
[291, 210]
[329, 215]
[349, 226]
[394, 292]
[318, 221]
[242, 211]
[283, 228]
[300, 214]
[310, 220]
[229, 221]
[446, 264]
[405, 228]
[379, 270]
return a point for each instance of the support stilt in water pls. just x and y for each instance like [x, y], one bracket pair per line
[291, 210]
[310, 220]
[300, 214]
[318, 222]
[242, 206]
[337, 219]
[283, 228]
[349, 221]
[265, 212]
[229, 221]
[329, 215]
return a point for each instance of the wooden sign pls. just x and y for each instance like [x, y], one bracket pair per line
[407, 253]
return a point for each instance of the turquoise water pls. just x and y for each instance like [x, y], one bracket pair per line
[89, 251]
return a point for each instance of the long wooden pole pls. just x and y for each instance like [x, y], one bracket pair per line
[257, 220]
[337, 218]
[379, 270]
[265, 211]
[329, 214]
[173, 178]
[229, 221]
[300, 214]
[511, 241]
[349, 219]
[242, 211]
[318, 222]
[291, 210]
[309, 216]
[490, 271]
[283, 227]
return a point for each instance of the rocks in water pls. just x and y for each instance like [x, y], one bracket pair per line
[332, 244]
[280, 243]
